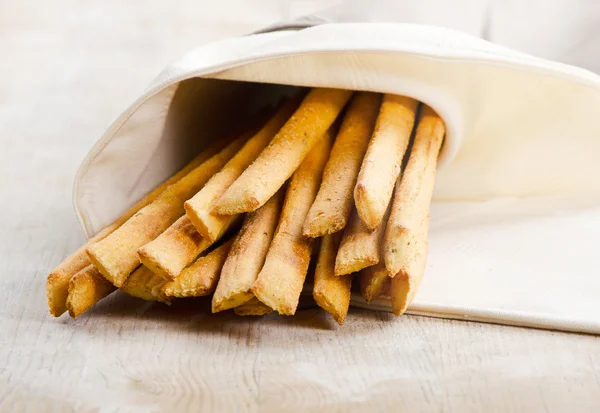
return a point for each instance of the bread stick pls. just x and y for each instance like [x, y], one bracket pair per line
[199, 208]
[57, 285]
[278, 161]
[331, 292]
[176, 248]
[360, 246]
[332, 207]
[247, 255]
[116, 255]
[280, 281]
[382, 162]
[252, 307]
[86, 288]
[413, 196]
[201, 277]
[173, 250]
[406, 283]
[144, 284]
[374, 282]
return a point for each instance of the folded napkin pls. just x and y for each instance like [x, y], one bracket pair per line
[514, 221]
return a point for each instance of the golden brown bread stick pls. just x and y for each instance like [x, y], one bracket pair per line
[278, 161]
[252, 307]
[173, 250]
[199, 208]
[201, 277]
[86, 288]
[57, 285]
[247, 255]
[144, 284]
[360, 246]
[406, 283]
[374, 282]
[331, 292]
[415, 189]
[280, 281]
[381, 165]
[332, 207]
[116, 255]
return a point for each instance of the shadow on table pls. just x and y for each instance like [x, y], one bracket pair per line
[194, 315]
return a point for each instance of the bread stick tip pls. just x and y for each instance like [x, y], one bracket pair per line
[363, 204]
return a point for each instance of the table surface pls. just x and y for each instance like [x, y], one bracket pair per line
[58, 92]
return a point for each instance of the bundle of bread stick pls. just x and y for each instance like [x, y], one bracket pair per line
[336, 178]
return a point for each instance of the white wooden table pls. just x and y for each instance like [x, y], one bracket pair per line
[59, 60]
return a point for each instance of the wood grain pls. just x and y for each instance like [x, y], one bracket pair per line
[129, 356]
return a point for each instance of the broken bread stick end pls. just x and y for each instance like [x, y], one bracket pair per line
[327, 304]
[178, 292]
[235, 299]
[403, 290]
[197, 218]
[359, 248]
[174, 249]
[144, 284]
[365, 207]
[210, 227]
[57, 291]
[253, 307]
[331, 292]
[201, 277]
[320, 223]
[111, 274]
[283, 306]
[345, 266]
[86, 288]
[374, 282]
[230, 204]
[148, 261]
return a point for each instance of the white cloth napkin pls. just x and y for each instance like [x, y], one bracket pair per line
[515, 226]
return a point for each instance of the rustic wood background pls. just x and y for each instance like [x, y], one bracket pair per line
[58, 91]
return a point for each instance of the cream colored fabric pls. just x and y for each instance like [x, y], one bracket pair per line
[518, 187]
